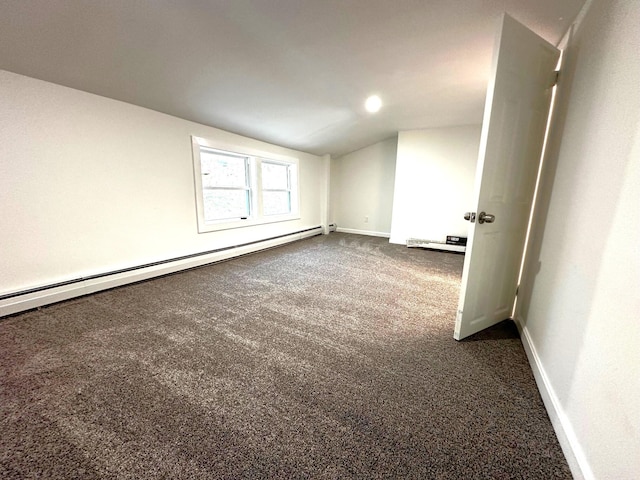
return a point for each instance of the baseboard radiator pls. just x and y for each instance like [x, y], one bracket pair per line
[19, 301]
[434, 244]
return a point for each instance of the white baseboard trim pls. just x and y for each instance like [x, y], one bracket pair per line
[567, 438]
[19, 302]
[370, 233]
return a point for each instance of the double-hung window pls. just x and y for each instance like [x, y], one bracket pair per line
[239, 187]
[226, 190]
[276, 188]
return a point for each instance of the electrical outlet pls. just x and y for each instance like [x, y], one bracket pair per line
[366, 219]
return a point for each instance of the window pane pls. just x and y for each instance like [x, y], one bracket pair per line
[225, 204]
[275, 176]
[219, 170]
[276, 203]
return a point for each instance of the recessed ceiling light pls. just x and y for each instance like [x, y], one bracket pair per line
[373, 104]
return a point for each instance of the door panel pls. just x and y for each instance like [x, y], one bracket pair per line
[515, 118]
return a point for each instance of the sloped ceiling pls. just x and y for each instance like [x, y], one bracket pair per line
[290, 72]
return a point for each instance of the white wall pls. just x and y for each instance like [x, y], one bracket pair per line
[326, 215]
[580, 305]
[435, 172]
[89, 185]
[362, 189]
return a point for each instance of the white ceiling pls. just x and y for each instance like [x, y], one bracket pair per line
[290, 72]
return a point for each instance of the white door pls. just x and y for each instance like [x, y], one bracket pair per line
[514, 123]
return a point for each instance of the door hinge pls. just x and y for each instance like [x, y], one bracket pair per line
[517, 290]
[556, 77]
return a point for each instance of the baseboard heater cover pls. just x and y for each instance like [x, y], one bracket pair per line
[15, 302]
[434, 244]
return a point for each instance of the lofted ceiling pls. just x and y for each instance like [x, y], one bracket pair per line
[290, 72]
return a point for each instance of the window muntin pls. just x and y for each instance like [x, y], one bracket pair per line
[238, 187]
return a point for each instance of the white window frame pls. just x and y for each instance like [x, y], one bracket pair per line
[246, 187]
[255, 158]
[290, 190]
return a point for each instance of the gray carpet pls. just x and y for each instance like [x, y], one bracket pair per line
[332, 357]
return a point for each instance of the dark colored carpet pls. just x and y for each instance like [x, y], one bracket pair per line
[329, 358]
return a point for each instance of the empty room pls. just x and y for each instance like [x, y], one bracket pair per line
[319, 239]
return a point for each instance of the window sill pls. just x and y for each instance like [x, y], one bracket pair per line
[229, 225]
